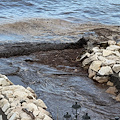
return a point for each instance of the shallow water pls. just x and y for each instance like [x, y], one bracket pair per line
[60, 89]
[107, 11]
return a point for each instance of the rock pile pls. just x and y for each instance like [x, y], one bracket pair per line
[20, 103]
[103, 62]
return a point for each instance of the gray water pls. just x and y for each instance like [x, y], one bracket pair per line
[99, 11]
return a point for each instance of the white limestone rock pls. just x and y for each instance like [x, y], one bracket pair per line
[101, 58]
[96, 49]
[47, 118]
[91, 73]
[8, 93]
[40, 103]
[20, 94]
[89, 60]
[43, 111]
[24, 116]
[83, 56]
[3, 82]
[119, 74]
[5, 107]
[14, 116]
[112, 90]
[111, 42]
[95, 66]
[100, 79]
[31, 107]
[113, 47]
[108, 62]
[116, 68]
[105, 70]
[107, 52]
[3, 102]
[9, 110]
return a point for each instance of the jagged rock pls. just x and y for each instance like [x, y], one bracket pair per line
[100, 79]
[31, 107]
[107, 52]
[111, 42]
[14, 116]
[47, 118]
[110, 83]
[95, 66]
[96, 49]
[20, 94]
[24, 116]
[40, 103]
[108, 62]
[9, 110]
[112, 90]
[3, 102]
[113, 47]
[101, 58]
[116, 68]
[5, 107]
[91, 73]
[3, 82]
[105, 70]
[89, 60]
[83, 56]
[8, 93]
[117, 53]
[43, 111]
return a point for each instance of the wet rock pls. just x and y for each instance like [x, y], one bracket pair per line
[107, 52]
[110, 83]
[100, 79]
[95, 66]
[105, 70]
[112, 90]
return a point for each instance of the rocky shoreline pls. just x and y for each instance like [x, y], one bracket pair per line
[19, 103]
[103, 64]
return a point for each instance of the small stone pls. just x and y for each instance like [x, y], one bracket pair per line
[107, 53]
[116, 68]
[112, 90]
[105, 70]
[100, 79]
[111, 42]
[110, 83]
[95, 66]
[5, 107]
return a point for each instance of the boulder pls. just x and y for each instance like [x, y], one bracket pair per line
[96, 49]
[91, 73]
[111, 42]
[116, 68]
[14, 116]
[95, 66]
[108, 62]
[100, 79]
[20, 94]
[47, 118]
[113, 47]
[107, 52]
[101, 58]
[112, 90]
[105, 70]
